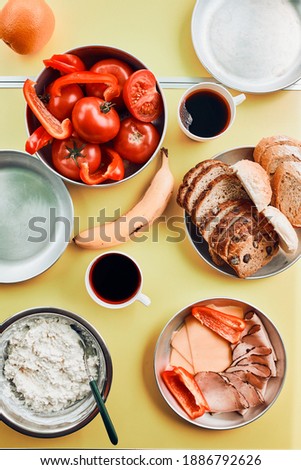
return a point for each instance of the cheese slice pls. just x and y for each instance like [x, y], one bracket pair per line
[229, 310]
[179, 341]
[177, 360]
[210, 352]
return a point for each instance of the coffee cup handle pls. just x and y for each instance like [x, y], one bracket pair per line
[144, 299]
[239, 99]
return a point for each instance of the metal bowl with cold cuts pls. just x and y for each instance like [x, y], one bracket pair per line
[240, 381]
[90, 55]
[44, 384]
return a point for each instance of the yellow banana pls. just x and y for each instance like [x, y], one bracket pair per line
[143, 214]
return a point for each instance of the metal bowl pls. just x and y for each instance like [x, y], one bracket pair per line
[68, 420]
[220, 421]
[90, 55]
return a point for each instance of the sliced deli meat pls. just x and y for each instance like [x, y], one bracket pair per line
[220, 395]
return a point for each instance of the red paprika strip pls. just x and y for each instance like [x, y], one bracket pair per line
[108, 79]
[227, 326]
[185, 390]
[114, 170]
[65, 63]
[57, 129]
[37, 140]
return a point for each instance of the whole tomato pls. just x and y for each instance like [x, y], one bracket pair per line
[120, 69]
[136, 140]
[95, 120]
[68, 154]
[61, 106]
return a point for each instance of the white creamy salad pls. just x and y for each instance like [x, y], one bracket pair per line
[45, 364]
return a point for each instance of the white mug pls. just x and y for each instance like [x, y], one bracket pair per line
[114, 280]
[219, 93]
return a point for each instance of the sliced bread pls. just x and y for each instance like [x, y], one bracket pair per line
[213, 218]
[201, 182]
[221, 189]
[255, 181]
[287, 234]
[286, 186]
[189, 178]
[267, 142]
[278, 154]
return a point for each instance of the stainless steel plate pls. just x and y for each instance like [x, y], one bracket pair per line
[278, 264]
[36, 214]
[220, 421]
[250, 45]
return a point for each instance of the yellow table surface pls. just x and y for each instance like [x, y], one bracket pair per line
[158, 32]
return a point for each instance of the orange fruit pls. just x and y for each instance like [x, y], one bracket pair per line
[26, 25]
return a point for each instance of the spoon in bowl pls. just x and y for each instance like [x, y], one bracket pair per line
[96, 392]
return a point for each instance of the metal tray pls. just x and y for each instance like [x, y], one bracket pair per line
[220, 421]
[252, 45]
[36, 214]
[278, 264]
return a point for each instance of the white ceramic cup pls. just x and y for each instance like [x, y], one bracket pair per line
[184, 118]
[119, 269]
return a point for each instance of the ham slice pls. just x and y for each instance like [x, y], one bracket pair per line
[251, 393]
[220, 395]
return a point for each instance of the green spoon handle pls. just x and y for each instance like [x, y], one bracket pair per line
[104, 413]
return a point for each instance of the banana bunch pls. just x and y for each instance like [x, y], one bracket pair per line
[143, 214]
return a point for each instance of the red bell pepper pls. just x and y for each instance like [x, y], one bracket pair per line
[54, 127]
[114, 170]
[65, 63]
[37, 140]
[185, 390]
[227, 326]
[108, 79]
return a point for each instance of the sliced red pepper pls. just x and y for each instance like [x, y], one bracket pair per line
[54, 127]
[114, 171]
[37, 140]
[108, 79]
[227, 326]
[185, 390]
[65, 63]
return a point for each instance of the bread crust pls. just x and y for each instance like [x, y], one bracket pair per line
[267, 142]
[286, 186]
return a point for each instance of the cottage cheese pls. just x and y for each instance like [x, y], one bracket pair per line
[45, 365]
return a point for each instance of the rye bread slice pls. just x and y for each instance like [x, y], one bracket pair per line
[189, 178]
[221, 189]
[201, 182]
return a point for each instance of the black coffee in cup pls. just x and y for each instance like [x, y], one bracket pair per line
[115, 278]
[205, 113]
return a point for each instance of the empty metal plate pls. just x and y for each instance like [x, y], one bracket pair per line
[36, 217]
[251, 45]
